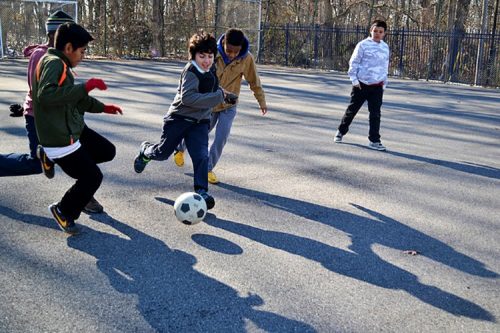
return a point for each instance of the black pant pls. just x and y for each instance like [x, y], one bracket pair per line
[82, 166]
[372, 94]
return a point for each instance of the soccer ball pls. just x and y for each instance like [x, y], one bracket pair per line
[190, 208]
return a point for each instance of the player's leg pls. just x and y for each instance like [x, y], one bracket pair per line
[22, 164]
[196, 139]
[172, 134]
[222, 131]
[374, 98]
[357, 99]
[99, 148]
[80, 166]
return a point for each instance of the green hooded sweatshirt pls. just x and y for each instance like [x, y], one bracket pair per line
[58, 103]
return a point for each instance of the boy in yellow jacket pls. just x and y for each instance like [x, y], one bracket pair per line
[233, 62]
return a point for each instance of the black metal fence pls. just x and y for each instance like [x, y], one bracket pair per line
[470, 58]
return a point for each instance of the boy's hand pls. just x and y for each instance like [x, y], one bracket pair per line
[16, 110]
[112, 109]
[95, 83]
[230, 98]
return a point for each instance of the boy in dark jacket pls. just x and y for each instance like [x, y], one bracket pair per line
[59, 105]
[188, 117]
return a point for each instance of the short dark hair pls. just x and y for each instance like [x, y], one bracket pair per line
[379, 24]
[71, 33]
[234, 37]
[202, 42]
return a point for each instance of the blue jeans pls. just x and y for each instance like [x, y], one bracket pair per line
[222, 121]
[15, 164]
[195, 136]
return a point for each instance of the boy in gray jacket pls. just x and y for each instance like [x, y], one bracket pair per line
[188, 117]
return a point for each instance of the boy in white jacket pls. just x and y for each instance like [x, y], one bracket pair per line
[368, 69]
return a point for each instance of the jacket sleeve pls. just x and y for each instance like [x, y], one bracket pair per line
[190, 96]
[354, 63]
[49, 93]
[253, 79]
[90, 104]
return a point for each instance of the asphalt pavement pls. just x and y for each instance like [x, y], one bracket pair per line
[306, 235]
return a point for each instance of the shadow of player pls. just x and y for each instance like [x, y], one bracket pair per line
[172, 295]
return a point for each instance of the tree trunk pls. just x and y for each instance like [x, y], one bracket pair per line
[158, 29]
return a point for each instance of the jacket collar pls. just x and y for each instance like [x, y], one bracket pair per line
[60, 54]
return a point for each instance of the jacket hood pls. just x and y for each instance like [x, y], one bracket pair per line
[28, 51]
[245, 48]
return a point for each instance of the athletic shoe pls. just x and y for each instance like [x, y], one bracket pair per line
[208, 198]
[376, 146]
[47, 165]
[179, 158]
[141, 160]
[338, 137]
[212, 178]
[66, 224]
[93, 207]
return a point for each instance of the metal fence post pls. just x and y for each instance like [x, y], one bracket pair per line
[401, 52]
[316, 30]
[1, 40]
[286, 43]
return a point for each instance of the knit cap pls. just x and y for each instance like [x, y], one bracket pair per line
[56, 19]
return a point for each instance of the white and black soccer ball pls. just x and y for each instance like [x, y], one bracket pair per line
[190, 208]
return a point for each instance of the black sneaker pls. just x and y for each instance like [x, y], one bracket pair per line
[141, 161]
[66, 224]
[47, 165]
[210, 201]
[93, 207]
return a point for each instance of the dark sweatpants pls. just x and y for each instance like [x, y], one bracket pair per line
[372, 94]
[82, 166]
[195, 135]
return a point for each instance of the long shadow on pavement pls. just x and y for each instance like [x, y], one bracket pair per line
[362, 263]
[29, 218]
[172, 295]
[467, 167]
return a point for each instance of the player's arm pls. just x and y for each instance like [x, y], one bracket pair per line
[49, 91]
[252, 77]
[190, 96]
[354, 64]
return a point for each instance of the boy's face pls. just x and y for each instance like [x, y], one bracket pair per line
[377, 33]
[231, 51]
[75, 56]
[204, 60]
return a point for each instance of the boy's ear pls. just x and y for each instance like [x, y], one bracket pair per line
[68, 48]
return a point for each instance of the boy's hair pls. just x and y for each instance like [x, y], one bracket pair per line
[379, 24]
[202, 43]
[71, 33]
[234, 37]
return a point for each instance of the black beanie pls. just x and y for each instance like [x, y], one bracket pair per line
[56, 19]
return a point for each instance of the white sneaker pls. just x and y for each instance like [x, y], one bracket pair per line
[338, 137]
[376, 146]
